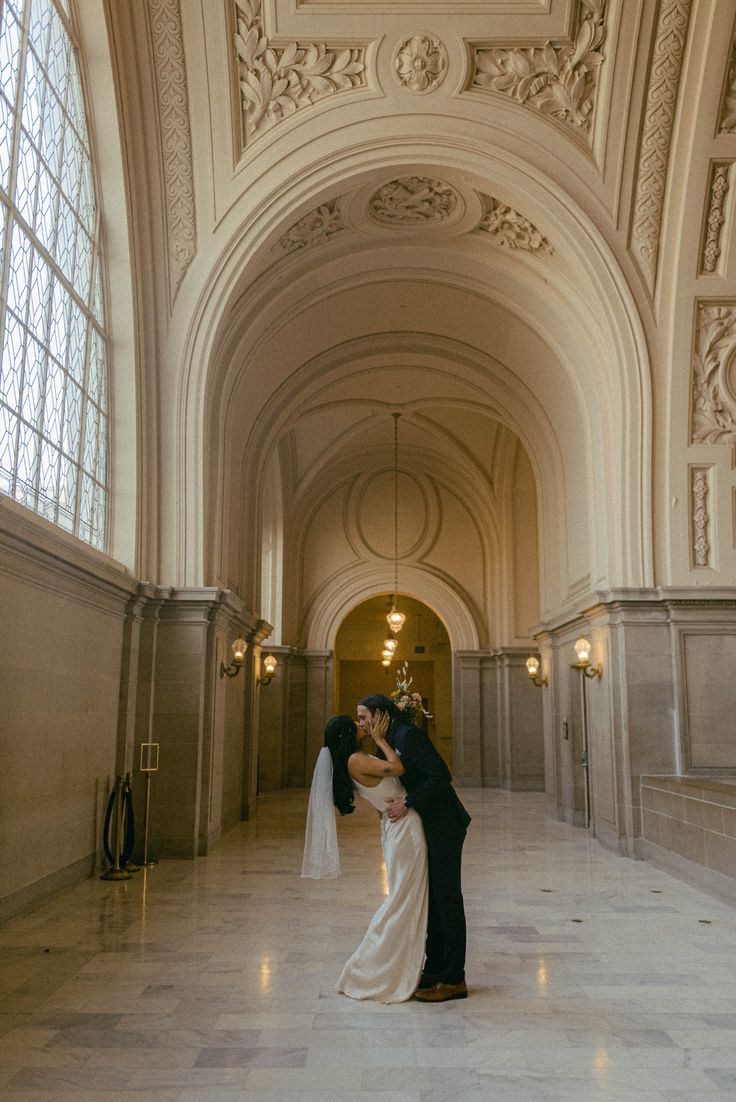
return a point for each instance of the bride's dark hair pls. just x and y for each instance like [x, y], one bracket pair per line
[341, 741]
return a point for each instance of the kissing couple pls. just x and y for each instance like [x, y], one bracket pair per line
[414, 946]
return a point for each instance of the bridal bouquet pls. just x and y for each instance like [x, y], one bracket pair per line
[408, 702]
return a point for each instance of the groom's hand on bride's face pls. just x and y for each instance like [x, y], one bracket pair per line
[396, 808]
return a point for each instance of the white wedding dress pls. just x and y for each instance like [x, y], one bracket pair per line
[387, 964]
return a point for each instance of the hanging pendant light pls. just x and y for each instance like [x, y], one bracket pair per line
[396, 619]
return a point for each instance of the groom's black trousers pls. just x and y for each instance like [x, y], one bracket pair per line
[446, 920]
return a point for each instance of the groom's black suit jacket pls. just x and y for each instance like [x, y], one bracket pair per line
[427, 780]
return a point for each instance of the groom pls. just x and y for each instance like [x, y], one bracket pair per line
[429, 791]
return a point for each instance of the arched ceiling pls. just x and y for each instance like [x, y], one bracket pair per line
[462, 219]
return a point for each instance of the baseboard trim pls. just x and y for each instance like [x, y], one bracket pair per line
[33, 895]
[698, 876]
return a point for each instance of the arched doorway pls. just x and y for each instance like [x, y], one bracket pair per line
[423, 644]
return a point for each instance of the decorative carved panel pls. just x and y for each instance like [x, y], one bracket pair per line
[719, 182]
[276, 82]
[420, 63]
[176, 141]
[559, 81]
[714, 375]
[509, 229]
[727, 123]
[412, 201]
[659, 115]
[700, 478]
[312, 228]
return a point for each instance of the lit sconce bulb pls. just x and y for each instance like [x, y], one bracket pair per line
[582, 650]
[532, 668]
[385, 661]
[239, 647]
[390, 644]
[396, 620]
[386, 653]
[268, 668]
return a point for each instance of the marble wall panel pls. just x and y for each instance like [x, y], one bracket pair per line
[60, 665]
[708, 664]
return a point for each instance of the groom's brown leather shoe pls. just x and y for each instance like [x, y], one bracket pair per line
[442, 992]
[427, 979]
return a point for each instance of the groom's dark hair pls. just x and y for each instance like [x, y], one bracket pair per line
[377, 702]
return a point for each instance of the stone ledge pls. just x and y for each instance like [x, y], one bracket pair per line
[712, 789]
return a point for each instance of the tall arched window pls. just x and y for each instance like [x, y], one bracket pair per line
[53, 365]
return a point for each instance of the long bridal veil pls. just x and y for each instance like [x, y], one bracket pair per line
[321, 859]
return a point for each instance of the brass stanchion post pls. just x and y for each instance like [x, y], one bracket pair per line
[116, 873]
[149, 766]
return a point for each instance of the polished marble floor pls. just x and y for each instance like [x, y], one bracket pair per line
[592, 978]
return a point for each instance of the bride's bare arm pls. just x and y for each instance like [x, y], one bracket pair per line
[369, 766]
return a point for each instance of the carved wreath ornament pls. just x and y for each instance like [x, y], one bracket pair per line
[556, 80]
[412, 200]
[274, 83]
[420, 63]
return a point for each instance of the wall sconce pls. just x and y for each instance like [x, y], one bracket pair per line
[269, 666]
[582, 650]
[386, 662]
[390, 645]
[239, 648]
[532, 668]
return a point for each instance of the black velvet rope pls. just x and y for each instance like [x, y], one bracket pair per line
[128, 827]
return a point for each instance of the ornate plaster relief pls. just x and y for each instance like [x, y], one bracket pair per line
[700, 518]
[312, 228]
[176, 140]
[714, 375]
[420, 63]
[719, 181]
[559, 81]
[727, 123]
[276, 82]
[413, 201]
[659, 116]
[509, 229]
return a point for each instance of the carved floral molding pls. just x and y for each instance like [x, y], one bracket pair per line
[560, 81]
[509, 229]
[412, 200]
[659, 115]
[700, 520]
[716, 217]
[420, 63]
[727, 123]
[714, 375]
[312, 228]
[176, 141]
[274, 83]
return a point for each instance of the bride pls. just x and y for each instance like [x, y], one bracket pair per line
[387, 964]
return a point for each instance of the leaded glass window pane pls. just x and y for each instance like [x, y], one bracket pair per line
[53, 348]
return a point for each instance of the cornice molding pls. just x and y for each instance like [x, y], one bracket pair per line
[559, 81]
[277, 82]
[659, 117]
[176, 141]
